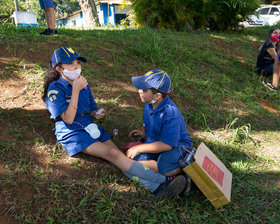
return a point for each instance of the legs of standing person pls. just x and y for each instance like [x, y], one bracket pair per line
[48, 7]
[50, 17]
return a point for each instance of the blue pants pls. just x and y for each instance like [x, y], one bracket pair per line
[46, 4]
[166, 161]
[267, 70]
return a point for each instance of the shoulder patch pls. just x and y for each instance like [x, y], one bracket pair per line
[52, 95]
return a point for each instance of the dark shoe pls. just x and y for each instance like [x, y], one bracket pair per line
[49, 32]
[170, 189]
[269, 85]
[186, 191]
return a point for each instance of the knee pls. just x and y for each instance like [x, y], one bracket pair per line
[114, 153]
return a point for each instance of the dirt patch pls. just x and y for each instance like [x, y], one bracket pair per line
[268, 107]
[228, 49]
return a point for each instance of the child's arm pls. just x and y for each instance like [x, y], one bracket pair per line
[98, 114]
[273, 54]
[68, 116]
[155, 147]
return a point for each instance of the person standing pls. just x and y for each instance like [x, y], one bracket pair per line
[48, 7]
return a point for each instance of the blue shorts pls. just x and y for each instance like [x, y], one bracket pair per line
[46, 4]
[80, 140]
[267, 70]
[166, 161]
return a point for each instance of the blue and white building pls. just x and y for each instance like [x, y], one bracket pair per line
[109, 12]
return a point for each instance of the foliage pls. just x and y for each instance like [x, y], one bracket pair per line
[40, 14]
[267, 2]
[61, 8]
[226, 14]
[7, 7]
[66, 7]
[173, 14]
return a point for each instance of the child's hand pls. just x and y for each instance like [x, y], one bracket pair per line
[80, 83]
[100, 113]
[136, 132]
[132, 152]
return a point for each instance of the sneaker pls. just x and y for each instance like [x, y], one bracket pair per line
[171, 188]
[186, 191]
[269, 85]
[48, 31]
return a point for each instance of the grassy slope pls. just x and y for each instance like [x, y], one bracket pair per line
[214, 83]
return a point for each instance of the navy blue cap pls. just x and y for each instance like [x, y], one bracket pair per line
[156, 79]
[65, 55]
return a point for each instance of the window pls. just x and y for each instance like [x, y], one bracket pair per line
[74, 23]
[264, 11]
[273, 10]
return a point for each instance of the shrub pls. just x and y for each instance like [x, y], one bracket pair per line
[175, 14]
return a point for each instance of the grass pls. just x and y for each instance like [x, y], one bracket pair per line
[215, 87]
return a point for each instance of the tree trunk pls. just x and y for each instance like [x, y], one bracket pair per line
[89, 13]
[189, 27]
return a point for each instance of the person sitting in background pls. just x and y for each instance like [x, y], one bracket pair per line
[268, 59]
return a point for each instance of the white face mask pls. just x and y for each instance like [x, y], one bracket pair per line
[72, 74]
[152, 101]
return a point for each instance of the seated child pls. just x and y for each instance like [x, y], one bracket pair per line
[71, 104]
[268, 63]
[167, 139]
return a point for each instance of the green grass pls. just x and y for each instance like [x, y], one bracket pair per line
[215, 87]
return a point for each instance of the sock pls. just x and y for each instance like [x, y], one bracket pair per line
[139, 170]
[146, 183]
[169, 178]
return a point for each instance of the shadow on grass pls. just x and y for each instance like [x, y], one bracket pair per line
[43, 183]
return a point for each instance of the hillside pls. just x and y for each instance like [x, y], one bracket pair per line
[215, 87]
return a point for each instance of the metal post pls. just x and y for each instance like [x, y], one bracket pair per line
[28, 5]
[17, 5]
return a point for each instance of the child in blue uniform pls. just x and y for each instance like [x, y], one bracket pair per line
[72, 106]
[167, 139]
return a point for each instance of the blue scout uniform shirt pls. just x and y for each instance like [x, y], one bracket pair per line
[165, 124]
[72, 137]
[59, 95]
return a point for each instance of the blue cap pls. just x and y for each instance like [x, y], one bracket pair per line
[65, 55]
[156, 79]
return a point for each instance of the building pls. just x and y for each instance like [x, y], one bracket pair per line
[109, 12]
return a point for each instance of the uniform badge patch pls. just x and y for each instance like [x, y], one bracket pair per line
[70, 50]
[52, 95]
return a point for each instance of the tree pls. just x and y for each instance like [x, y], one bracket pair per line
[89, 13]
[181, 14]
[7, 7]
[65, 7]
